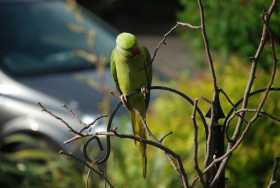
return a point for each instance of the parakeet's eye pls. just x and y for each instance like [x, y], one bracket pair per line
[135, 51]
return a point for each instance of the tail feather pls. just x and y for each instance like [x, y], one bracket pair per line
[139, 130]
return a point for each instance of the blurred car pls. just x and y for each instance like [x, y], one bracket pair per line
[51, 52]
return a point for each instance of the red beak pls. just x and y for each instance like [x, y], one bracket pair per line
[135, 51]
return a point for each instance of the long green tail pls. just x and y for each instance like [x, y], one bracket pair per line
[139, 130]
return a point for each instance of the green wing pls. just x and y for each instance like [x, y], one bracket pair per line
[148, 71]
[114, 72]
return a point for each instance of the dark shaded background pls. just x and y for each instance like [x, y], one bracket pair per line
[141, 17]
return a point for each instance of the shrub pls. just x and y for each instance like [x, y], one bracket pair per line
[233, 27]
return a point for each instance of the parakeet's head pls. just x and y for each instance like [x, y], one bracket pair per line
[127, 44]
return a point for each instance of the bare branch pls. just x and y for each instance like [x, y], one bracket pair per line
[196, 164]
[227, 97]
[273, 89]
[165, 136]
[93, 123]
[163, 40]
[73, 113]
[85, 147]
[206, 45]
[44, 109]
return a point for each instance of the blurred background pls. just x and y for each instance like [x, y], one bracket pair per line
[73, 45]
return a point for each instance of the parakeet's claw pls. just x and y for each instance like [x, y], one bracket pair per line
[124, 100]
[145, 91]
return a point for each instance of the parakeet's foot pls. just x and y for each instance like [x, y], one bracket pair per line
[124, 100]
[145, 91]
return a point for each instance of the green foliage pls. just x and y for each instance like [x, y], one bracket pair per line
[125, 167]
[233, 27]
[33, 168]
[250, 166]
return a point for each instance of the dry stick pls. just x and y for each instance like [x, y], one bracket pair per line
[163, 40]
[262, 101]
[275, 180]
[44, 109]
[196, 164]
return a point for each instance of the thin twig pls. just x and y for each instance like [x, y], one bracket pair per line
[261, 113]
[44, 109]
[85, 147]
[227, 97]
[163, 40]
[75, 138]
[206, 45]
[73, 113]
[165, 136]
[250, 95]
[93, 123]
[196, 164]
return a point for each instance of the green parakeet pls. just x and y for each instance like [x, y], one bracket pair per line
[131, 70]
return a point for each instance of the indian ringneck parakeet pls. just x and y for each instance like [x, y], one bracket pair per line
[132, 71]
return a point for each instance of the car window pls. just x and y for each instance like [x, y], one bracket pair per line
[50, 36]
